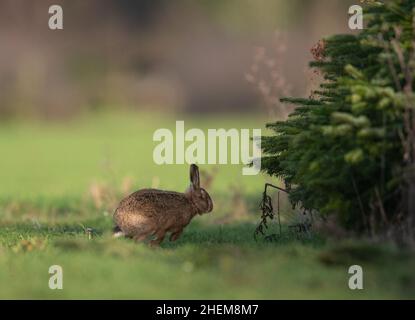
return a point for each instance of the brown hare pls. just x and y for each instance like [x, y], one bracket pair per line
[152, 212]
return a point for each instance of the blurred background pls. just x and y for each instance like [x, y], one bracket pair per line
[79, 106]
[192, 56]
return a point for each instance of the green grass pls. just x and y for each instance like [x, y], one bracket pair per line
[46, 171]
[62, 159]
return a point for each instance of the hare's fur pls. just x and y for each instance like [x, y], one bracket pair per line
[152, 212]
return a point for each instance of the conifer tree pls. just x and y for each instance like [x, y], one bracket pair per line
[349, 149]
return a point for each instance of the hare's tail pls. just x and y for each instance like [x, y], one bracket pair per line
[117, 232]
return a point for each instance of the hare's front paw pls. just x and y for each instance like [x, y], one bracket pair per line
[175, 235]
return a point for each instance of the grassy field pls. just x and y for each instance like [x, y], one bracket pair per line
[58, 179]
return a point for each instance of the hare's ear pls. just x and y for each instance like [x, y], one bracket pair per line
[194, 176]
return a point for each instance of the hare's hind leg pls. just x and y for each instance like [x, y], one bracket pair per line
[160, 234]
[142, 235]
[175, 235]
[141, 232]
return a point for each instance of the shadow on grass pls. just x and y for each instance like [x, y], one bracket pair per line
[233, 234]
[238, 233]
